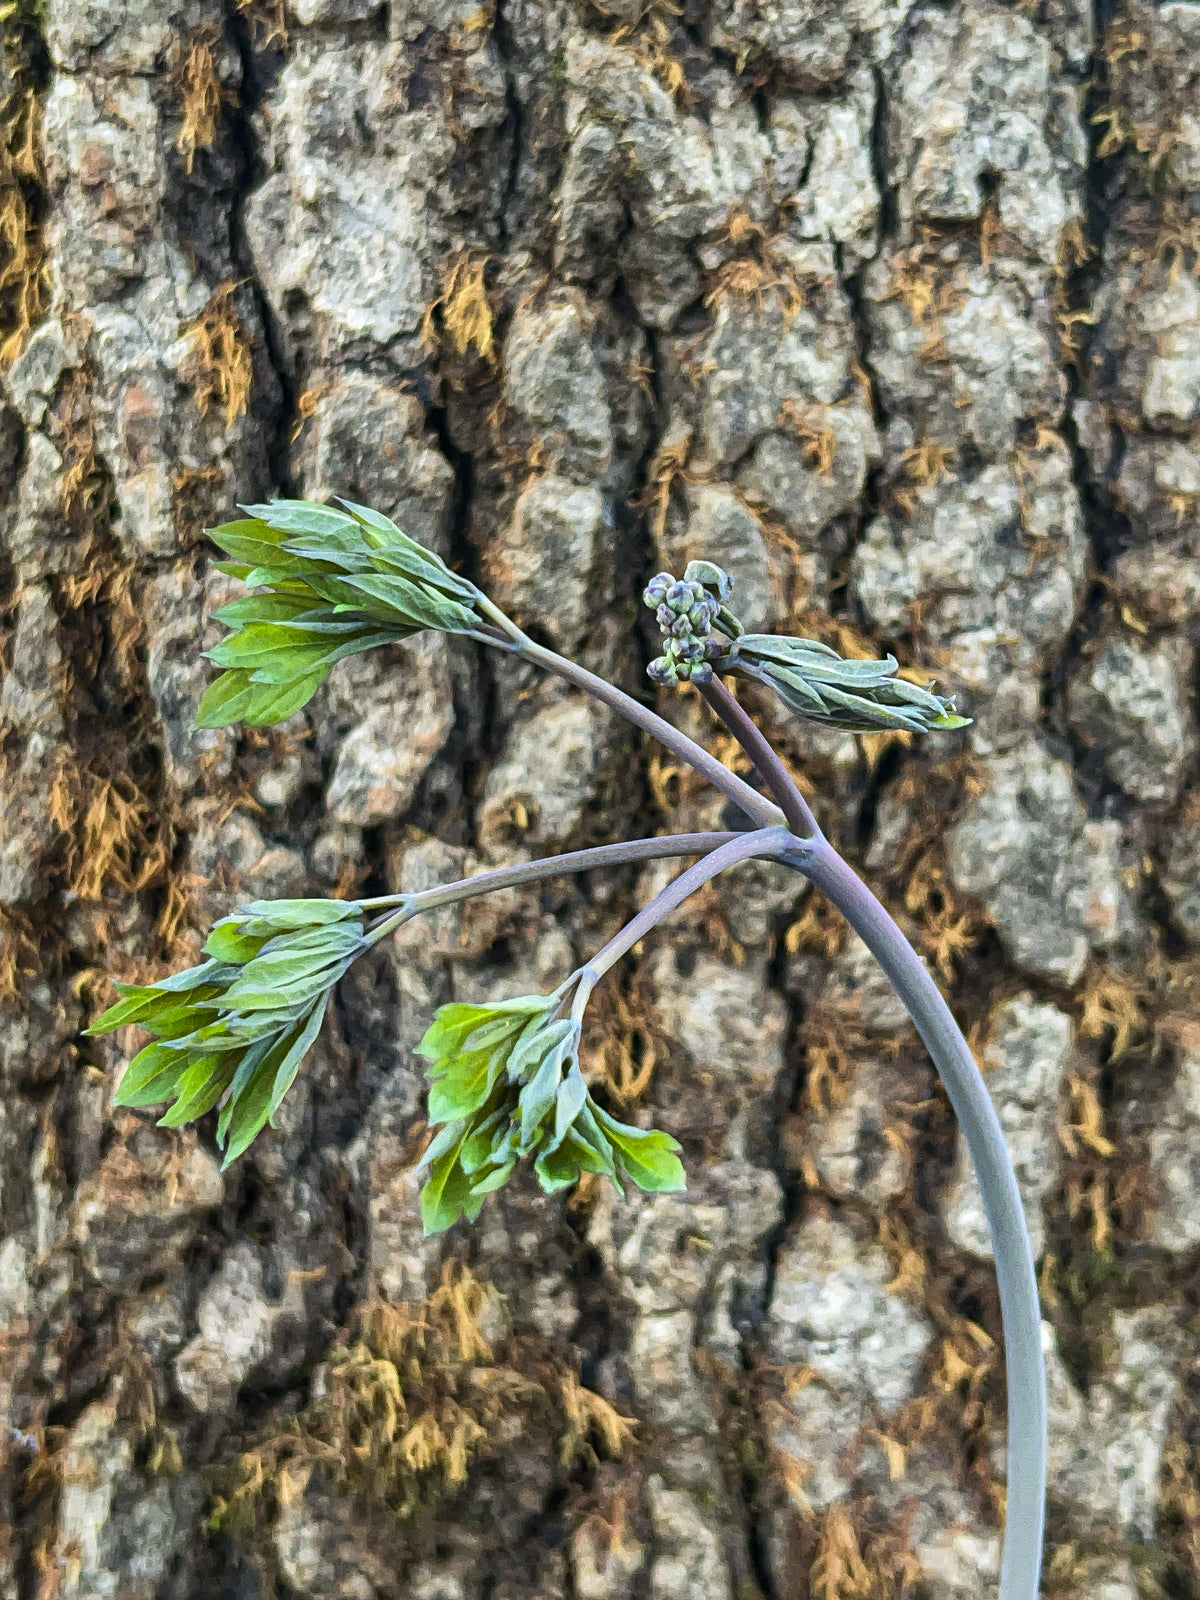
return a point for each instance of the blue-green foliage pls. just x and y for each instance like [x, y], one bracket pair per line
[505, 1085]
[329, 583]
[702, 636]
[237, 1028]
[822, 686]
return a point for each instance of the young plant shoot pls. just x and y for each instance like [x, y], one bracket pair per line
[505, 1084]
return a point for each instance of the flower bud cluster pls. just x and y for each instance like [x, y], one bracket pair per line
[685, 612]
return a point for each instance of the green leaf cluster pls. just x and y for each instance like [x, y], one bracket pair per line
[330, 583]
[817, 683]
[236, 1028]
[505, 1085]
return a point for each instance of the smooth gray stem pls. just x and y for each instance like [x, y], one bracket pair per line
[1020, 1309]
[825, 869]
[604, 855]
[770, 842]
[761, 811]
[769, 767]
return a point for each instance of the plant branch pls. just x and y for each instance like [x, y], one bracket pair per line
[604, 855]
[506, 625]
[760, 810]
[769, 767]
[1026, 1371]
[771, 842]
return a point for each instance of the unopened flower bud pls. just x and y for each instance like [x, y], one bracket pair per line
[681, 626]
[690, 649]
[657, 588]
[702, 672]
[679, 596]
[664, 616]
[663, 671]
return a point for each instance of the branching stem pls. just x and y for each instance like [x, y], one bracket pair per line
[767, 842]
[956, 1065]
[760, 810]
[604, 855]
[807, 850]
[766, 762]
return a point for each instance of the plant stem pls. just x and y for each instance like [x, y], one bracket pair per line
[825, 869]
[1026, 1370]
[604, 855]
[776, 843]
[759, 809]
[956, 1065]
[769, 767]
[506, 625]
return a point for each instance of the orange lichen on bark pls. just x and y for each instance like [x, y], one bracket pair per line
[22, 257]
[201, 95]
[461, 316]
[221, 364]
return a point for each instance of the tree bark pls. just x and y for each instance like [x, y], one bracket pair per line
[892, 310]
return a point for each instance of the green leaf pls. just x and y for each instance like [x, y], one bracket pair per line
[179, 1021]
[709, 576]
[281, 668]
[228, 941]
[142, 1005]
[209, 976]
[245, 528]
[591, 1144]
[572, 1097]
[425, 568]
[453, 1023]
[285, 1072]
[279, 916]
[288, 962]
[540, 1093]
[500, 1030]
[331, 559]
[233, 697]
[465, 1086]
[224, 700]
[270, 607]
[199, 1089]
[271, 645]
[536, 1038]
[264, 1076]
[556, 1169]
[272, 703]
[389, 595]
[389, 541]
[151, 1076]
[479, 1142]
[319, 945]
[250, 1112]
[446, 1138]
[779, 647]
[301, 516]
[257, 550]
[287, 998]
[447, 1195]
[796, 690]
[247, 1069]
[491, 1181]
[646, 1156]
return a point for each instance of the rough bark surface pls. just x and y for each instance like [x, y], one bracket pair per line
[892, 306]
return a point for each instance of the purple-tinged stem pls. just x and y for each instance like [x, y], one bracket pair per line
[769, 767]
[1015, 1271]
[773, 843]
